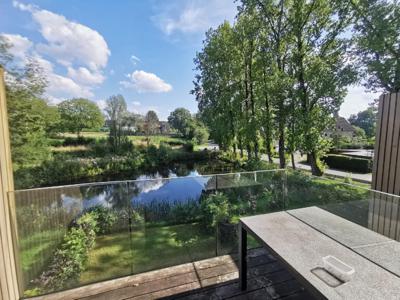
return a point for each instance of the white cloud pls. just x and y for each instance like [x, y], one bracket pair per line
[135, 60]
[23, 7]
[67, 41]
[195, 16]
[61, 87]
[81, 50]
[58, 86]
[20, 45]
[136, 103]
[84, 76]
[144, 82]
[101, 104]
[356, 100]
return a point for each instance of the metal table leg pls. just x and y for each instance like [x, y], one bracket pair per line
[242, 258]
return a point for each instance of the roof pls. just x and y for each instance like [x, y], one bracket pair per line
[342, 123]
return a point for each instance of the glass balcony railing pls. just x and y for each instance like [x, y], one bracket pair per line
[74, 235]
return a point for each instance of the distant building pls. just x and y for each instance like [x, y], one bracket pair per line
[343, 128]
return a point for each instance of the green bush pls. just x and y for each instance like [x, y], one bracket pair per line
[216, 209]
[347, 163]
[69, 259]
[56, 142]
[189, 147]
[105, 217]
[77, 141]
[137, 219]
[100, 147]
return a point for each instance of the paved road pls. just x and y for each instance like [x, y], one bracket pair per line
[365, 178]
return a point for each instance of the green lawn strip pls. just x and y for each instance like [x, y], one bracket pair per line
[36, 250]
[152, 248]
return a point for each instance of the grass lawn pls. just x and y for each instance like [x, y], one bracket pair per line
[155, 139]
[36, 251]
[151, 248]
[96, 134]
[69, 149]
[136, 139]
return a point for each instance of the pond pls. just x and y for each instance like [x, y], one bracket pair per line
[180, 182]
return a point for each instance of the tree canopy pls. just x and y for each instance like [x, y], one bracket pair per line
[179, 119]
[366, 120]
[79, 113]
[279, 73]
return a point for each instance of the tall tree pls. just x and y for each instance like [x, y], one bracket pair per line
[180, 119]
[152, 124]
[117, 114]
[27, 116]
[277, 36]
[320, 68]
[377, 37]
[366, 120]
[218, 88]
[78, 114]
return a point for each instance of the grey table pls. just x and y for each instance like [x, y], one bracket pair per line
[301, 238]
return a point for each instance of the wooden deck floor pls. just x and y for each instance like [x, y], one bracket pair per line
[215, 278]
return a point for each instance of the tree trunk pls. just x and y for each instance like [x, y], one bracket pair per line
[268, 149]
[249, 154]
[293, 162]
[315, 170]
[281, 150]
[240, 147]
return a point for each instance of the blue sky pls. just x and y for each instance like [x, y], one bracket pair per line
[141, 49]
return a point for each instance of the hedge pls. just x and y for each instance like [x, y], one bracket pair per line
[348, 163]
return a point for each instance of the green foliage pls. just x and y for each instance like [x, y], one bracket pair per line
[30, 118]
[216, 209]
[105, 218]
[69, 259]
[77, 114]
[188, 126]
[366, 120]
[256, 164]
[77, 141]
[377, 31]
[198, 132]
[120, 121]
[151, 123]
[280, 72]
[347, 163]
[189, 146]
[137, 219]
[179, 119]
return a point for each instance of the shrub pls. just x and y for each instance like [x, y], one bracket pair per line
[256, 164]
[347, 163]
[163, 155]
[137, 219]
[100, 147]
[69, 260]
[201, 135]
[56, 142]
[105, 217]
[175, 143]
[76, 141]
[189, 147]
[216, 209]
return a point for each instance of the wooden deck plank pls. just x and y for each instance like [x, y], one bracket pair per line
[214, 278]
[147, 287]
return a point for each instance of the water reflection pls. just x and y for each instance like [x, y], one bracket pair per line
[145, 189]
[174, 190]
